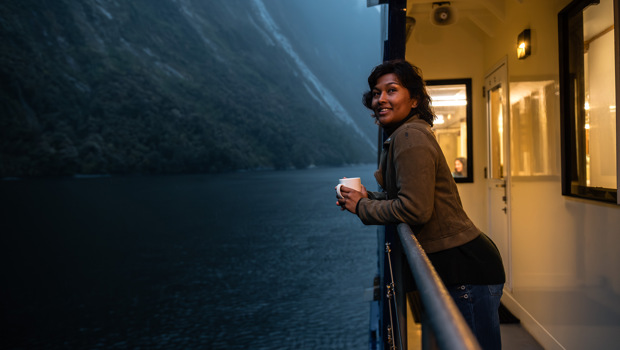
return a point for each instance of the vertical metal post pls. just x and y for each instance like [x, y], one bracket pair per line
[394, 48]
[397, 20]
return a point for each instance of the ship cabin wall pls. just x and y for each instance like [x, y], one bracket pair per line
[565, 252]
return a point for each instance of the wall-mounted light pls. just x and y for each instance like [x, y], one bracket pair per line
[524, 44]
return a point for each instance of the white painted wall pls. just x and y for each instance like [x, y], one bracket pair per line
[453, 53]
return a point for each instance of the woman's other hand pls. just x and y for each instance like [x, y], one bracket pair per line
[350, 197]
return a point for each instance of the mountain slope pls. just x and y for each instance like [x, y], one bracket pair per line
[157, 86]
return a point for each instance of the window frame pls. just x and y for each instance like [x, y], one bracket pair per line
[568, 111]
[468, 120]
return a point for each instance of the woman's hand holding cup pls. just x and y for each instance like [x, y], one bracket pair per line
[349, 192]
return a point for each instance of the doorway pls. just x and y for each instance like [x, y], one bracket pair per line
[498, 163]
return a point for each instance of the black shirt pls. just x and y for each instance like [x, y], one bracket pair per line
[475, 262]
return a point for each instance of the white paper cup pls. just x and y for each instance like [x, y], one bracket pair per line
[351, 182]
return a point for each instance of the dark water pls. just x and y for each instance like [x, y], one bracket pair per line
[261, 260]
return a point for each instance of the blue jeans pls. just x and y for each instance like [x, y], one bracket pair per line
[479, 305]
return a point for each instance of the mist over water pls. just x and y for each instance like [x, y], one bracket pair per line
[315, 87]
[257, 260]
[183, 86]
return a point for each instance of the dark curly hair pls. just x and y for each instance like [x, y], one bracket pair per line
[410, 77]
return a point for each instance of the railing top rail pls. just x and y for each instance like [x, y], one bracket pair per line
[444, 318]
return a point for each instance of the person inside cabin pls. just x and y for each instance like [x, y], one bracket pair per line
[418, 189]
[460, 169]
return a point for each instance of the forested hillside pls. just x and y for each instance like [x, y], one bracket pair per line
[159, 86]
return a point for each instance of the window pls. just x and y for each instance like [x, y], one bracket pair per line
[533, 126]
[588, 99]
[451, 103]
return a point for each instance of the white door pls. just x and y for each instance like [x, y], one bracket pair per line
[498, 165]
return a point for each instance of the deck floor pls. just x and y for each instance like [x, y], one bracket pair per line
[515, 337]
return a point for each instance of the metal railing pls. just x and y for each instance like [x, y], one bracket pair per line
[443, 326]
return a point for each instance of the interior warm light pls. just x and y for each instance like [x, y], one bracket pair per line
[587, 126]
[449, 103]
[524, 45]
[586, 106]
[450, 97]
[439, 119]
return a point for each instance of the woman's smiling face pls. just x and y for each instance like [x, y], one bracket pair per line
[391, 101]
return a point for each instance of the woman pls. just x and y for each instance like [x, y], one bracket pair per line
[419, 190]
[459, 167]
